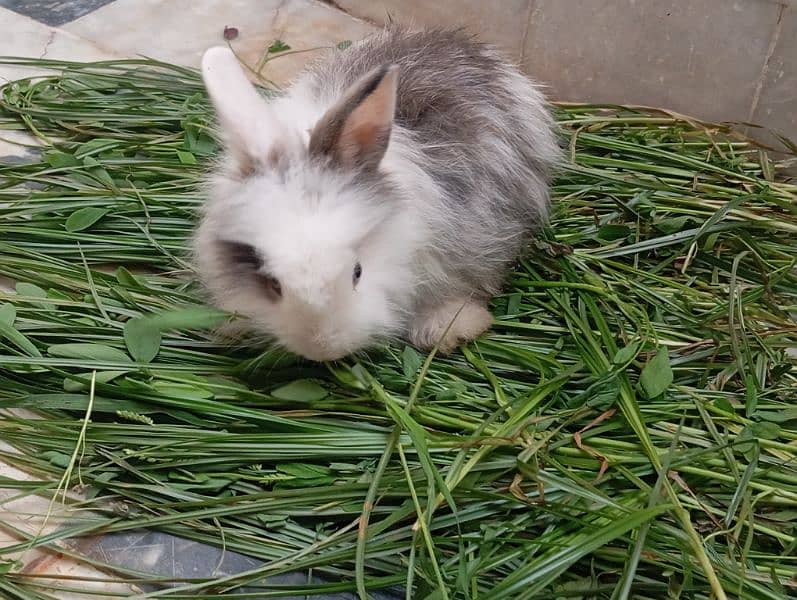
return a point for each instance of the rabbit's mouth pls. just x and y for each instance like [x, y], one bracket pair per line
[319, 353]
[318, 347]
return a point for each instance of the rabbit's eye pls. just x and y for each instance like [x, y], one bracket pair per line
[249, 263]
[271, 285]
[243, 255]
[358, 272]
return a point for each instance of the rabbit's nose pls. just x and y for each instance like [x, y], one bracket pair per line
[311, 298]
[317, 304]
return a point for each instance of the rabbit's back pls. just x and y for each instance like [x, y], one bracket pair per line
[477, 127]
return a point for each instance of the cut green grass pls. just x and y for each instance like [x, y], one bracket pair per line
[628, 428]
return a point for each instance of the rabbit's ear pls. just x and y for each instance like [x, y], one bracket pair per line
[247, 124]
[355, 132]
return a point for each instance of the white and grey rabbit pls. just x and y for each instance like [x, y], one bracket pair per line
[384, 194]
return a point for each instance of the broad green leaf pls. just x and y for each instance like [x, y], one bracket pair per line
[304, 470]
[95, 146]
[17, 338]
[674, 224]
[92, 352]
[411, 361]
[765, 430]
[143, 339]
[212, 484]
[8, 314]
[656, 376]
[271, 521]
[513, 304]
[626, 354]
[59, 459]
[127, 279]
[31, 290]
[344, 376]
[278, 46]
[143, 334]
[605, 396]
[99, 172]
[83, 218]
[611, 232]
[71, 385]
[301, 390]
[186, 158]
[204, 146]
[781, 416]
[451, 391]
[747, 443]
[60, 160]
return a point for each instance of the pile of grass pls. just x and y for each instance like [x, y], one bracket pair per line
[628, 429]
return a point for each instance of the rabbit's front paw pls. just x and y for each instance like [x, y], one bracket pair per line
[450, 324]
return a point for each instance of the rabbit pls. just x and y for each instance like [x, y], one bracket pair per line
[384, 194]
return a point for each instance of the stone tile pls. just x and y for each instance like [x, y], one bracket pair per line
[701, 57]
[156, 28]
[53, 12]
[24, 37]
[501, 23]
[17, 147]
[777, 103]
[35, 515]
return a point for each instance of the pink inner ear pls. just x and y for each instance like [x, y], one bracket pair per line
[360, 139]
[364, 134]
[355, 132]
[244, 166]
[368, 125]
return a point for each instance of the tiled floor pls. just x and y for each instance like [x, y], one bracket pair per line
[53, 12]
[177, 31]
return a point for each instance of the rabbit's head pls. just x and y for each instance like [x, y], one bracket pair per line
[302, 233]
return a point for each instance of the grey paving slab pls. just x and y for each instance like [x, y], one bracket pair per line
[53, 12]
[776, 106]
[702, 57]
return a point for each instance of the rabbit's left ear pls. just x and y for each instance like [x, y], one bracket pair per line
[355, 132]
[248, 127]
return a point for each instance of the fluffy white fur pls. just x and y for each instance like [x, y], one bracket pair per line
[432, 244]
[307, 222]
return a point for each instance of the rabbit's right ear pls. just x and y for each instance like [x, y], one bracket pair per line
[355, 132]
[247, 124]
